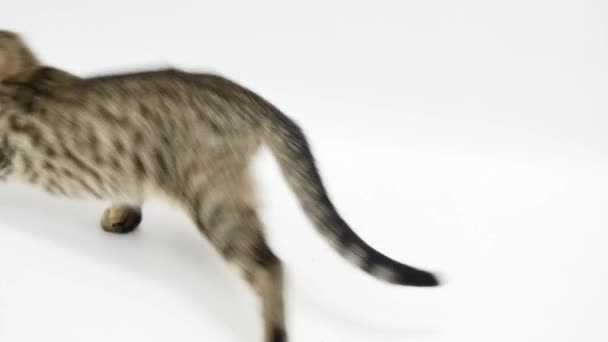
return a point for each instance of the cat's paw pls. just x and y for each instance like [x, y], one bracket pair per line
[121, 219]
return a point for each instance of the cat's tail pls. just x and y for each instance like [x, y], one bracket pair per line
[290, 147]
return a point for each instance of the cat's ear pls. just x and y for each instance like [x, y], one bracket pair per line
[15, 56]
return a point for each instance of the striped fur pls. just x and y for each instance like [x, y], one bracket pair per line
[187, 137]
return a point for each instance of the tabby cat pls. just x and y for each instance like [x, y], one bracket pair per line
[184, 136]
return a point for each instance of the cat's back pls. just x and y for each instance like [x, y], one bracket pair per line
[163, 83]
[168, 107]
[156, 96]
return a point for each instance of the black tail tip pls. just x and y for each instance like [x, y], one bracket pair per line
[421, 279]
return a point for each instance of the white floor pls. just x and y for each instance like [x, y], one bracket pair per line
[463, 137]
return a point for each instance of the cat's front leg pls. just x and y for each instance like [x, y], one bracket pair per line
[121, 218]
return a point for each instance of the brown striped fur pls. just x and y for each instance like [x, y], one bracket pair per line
[187, 137]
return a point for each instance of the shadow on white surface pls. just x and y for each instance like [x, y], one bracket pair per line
[160, 252]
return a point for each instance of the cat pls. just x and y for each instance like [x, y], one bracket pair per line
[187, 137]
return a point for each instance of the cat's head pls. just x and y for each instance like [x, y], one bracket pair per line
[15, 55]
[15, 58]
[16, 61]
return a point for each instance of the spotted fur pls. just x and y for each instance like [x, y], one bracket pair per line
[187, 137]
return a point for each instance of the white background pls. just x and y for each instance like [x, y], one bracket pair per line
[466, 137]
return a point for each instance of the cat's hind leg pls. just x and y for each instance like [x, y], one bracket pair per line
[232, 225]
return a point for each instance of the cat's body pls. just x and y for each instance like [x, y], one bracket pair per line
[187, 137]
